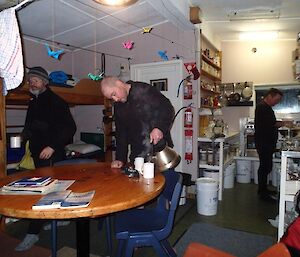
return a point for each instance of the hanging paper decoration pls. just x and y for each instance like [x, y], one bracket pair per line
[147, 30]
[177, 57]
[54, 54]
[192, 68]
[128, 44]
[163, 55]
[96, 77]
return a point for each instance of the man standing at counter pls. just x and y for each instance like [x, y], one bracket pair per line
[143, 116]
[266, 135]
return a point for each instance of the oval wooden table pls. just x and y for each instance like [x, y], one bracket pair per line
[114, 191]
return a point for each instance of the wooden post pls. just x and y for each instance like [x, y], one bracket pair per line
[2, 133]
[108, 130]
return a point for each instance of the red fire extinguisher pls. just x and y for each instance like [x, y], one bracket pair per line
[188, 90]
[188, 145]
[188, 118]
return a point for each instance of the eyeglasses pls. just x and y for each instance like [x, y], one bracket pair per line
[34, 80]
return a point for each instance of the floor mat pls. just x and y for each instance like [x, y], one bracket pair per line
[238, 243]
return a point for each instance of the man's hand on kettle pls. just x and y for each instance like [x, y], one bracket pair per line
[46, 153]
[156, 135]
[116, 164]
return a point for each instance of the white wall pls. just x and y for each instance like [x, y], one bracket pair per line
[271, 64]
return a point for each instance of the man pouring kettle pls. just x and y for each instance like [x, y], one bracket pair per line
[143, 116]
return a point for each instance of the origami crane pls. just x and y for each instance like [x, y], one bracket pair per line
[163, 55]
[147, 30]
[128, 45]
[96, 77]
[54, 54]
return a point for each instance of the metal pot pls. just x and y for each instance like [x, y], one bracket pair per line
[15, 141]
[166, 159]
[247, 93]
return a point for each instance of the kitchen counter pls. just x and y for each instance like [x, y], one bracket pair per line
[231, 136]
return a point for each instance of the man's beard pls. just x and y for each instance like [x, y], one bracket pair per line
[36, 92]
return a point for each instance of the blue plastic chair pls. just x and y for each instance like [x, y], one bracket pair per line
[150, 227]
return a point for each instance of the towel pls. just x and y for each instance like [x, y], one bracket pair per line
[11, 57]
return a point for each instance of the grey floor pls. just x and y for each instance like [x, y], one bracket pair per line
[240, 209]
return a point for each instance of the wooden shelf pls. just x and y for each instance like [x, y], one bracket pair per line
[210, 91]
[242, 103]
[211, 77]
[210, 62]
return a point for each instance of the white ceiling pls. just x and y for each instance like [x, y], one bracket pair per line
[216, 13]
[83, 23]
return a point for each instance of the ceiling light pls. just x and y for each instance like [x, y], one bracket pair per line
[116, 2]
[255, 14]
[260, 35]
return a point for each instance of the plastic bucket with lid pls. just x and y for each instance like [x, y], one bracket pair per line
[207, 196]
[229, 176]
[214, 174]
[243, 173]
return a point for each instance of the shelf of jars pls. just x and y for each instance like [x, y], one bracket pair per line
[215, 76]
[211, 62]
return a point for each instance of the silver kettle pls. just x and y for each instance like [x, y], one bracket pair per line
[165, 159]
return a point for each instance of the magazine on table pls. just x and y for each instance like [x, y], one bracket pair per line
[31, 188]
[64, 199]
[58, 185]
[51, 200]
[34, 181]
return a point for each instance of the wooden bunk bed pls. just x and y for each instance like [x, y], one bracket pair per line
[86, 92]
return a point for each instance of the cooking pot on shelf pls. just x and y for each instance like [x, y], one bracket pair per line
[246, 92]
[234, 96]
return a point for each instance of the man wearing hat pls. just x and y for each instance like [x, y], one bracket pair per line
[49, 126]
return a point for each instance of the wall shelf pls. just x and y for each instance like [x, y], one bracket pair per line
[211, 77]
[242, 103]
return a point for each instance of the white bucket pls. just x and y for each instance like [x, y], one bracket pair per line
[276, 174]
[243, 174]
[229, 176]
[207, 196]
[214, 174]
[182, 199]
[255, 166]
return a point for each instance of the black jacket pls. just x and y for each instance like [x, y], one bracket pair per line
[49, 122]
[266, 133]
[146, 108]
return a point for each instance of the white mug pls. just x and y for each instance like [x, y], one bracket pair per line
[148, 170]
[138, 164]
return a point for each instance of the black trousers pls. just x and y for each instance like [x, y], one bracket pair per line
[265, 167]
[35, 226]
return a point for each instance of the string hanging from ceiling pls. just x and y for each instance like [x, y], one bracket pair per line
[74, 47]
[132, 24]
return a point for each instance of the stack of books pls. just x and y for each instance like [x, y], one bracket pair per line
[41, 185]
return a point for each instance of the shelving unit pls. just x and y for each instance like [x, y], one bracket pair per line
[288, 187]
[211, 59]
[211, 74]
[222, 164]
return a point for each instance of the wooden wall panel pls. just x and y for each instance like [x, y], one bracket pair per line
[2, 133]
